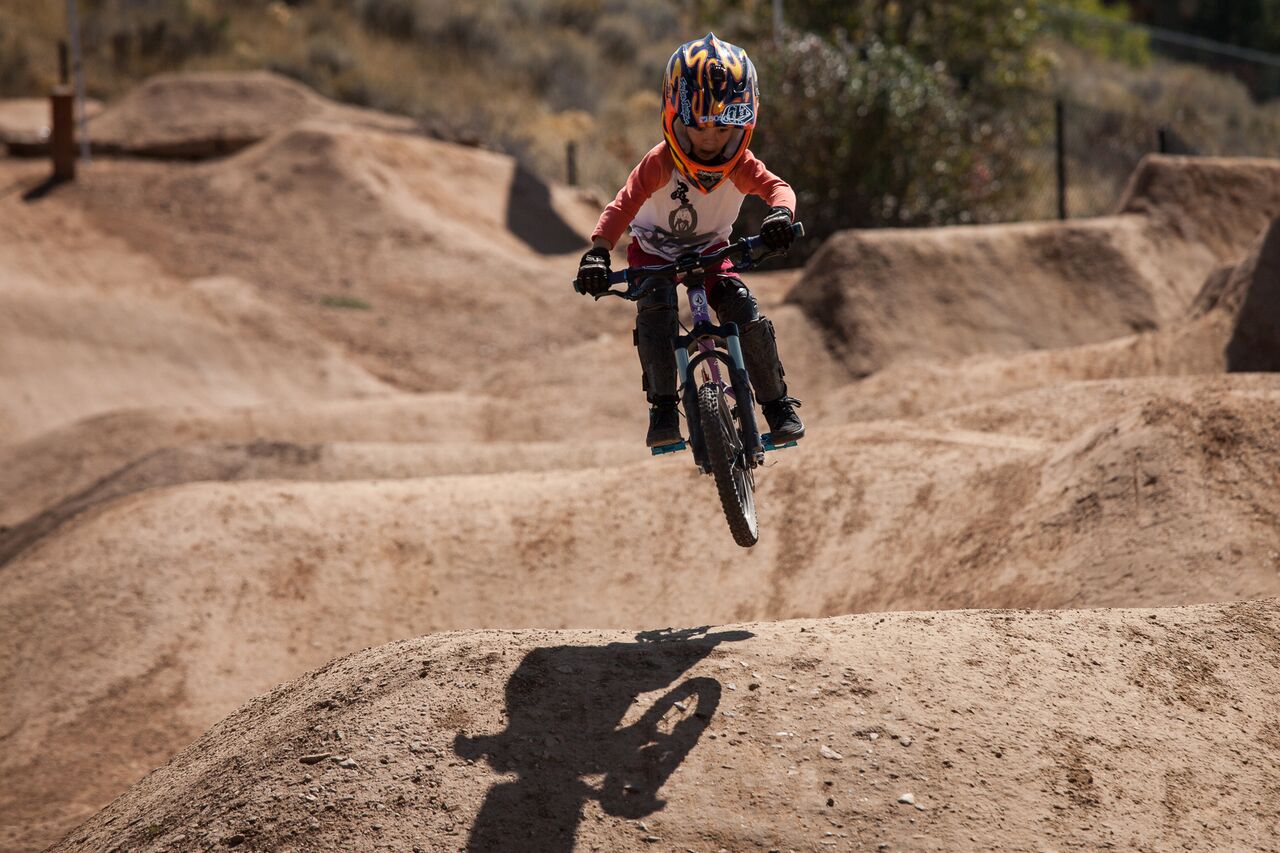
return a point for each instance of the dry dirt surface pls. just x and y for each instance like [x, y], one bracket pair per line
[319, 421]
[1101, 729]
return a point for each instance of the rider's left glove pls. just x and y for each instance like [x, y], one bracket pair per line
[593, 272]
[776, 229]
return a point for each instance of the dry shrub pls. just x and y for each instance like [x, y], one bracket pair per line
[150, 35]
[17, 78]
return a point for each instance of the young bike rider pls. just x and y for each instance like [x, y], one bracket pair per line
[684, 197]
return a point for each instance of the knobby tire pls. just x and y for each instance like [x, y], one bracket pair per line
[733, 480]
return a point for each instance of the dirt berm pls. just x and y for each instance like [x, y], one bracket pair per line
[1113, 729]
[894, 295]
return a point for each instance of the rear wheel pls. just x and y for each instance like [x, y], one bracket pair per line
[733, 478]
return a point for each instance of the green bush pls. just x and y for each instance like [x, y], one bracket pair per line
[1096, 37]
[873, 136]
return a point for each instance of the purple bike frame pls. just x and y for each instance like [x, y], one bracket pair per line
[702, 314]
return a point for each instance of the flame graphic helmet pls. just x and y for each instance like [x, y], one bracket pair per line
[708, 82]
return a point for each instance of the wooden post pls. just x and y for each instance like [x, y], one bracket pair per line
[62, 137]
[1059, 123]
[571, 162]
[1162, 139]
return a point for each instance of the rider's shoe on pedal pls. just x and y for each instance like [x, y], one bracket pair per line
[784, 423]
[664, 422]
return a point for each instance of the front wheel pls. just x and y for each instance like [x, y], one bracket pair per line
[733, 478]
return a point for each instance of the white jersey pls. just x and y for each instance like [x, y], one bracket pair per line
[678, 219]
[669, 216]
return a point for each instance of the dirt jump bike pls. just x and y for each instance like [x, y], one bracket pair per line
[720, 415]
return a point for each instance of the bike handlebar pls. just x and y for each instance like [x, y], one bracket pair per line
[635, 277]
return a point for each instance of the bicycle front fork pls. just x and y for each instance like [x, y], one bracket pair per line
[739, 381]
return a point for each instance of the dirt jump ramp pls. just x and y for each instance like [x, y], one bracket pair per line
[892, 295]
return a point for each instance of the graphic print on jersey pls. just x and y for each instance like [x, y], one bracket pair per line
[683, 220]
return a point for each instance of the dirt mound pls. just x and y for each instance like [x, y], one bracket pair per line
[896, 295]
[88, 325]
[423, 275]
[205, 114]
[208, 593]
[1134, 729]
[324, 462]
[57, 466]
[1214, 201]
[1230, 326]
[1250, 293]
[66, 353]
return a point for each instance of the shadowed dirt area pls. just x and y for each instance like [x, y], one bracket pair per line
[311, 414]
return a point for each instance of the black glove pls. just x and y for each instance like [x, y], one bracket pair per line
[593, 272]
[776, 229]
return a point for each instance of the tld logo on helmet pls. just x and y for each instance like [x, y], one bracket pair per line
[739, 114]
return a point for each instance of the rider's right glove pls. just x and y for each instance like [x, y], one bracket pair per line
[776, 229]
[593, 272]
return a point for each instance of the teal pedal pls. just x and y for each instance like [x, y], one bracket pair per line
[667, 448]
[766, 441]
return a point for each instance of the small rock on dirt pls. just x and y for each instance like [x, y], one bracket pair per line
[908, 798]
[314, 758]
[827, 752]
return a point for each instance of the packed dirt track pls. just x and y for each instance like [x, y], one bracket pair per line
[315, 417]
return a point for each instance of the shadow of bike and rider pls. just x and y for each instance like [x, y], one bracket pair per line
[565, 707]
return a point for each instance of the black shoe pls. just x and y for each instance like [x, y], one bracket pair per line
[784, 423]
[664, 423]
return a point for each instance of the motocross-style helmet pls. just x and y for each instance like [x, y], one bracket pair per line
[708, 82]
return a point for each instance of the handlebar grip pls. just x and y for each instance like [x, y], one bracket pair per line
[797, 228]
[577, 286]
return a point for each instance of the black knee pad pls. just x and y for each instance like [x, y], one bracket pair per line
[732, 302]
[760, 351]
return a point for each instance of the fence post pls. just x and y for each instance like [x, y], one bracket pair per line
[1162, 139]
[1059, 127]
[62, 123]
[571, 162]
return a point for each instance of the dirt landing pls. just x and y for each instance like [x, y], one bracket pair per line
[1133, 729]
